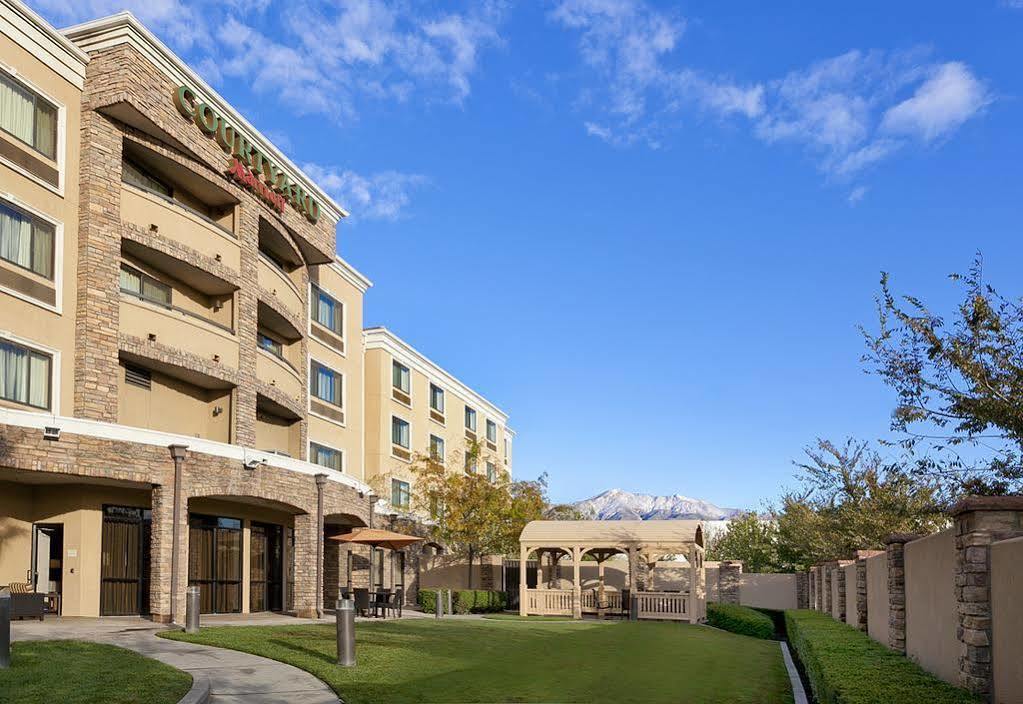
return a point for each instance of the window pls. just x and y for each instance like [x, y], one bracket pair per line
[270, 345]
[135, 175]
[401, 496]
[326, 311]
[326, 457]
[399, 432]
[507, 448]
[28, 117]
[470, 463]
[492, 431]
[400, 377]
[470, 419]
[437, 448]
[24, 375]
[491, 472]
[436, 398]
[325, 384]
[144, 286]
[26, 241]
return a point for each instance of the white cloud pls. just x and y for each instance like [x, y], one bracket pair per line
[169, 18]
[856, 195]
[950, 97]
[380, 196]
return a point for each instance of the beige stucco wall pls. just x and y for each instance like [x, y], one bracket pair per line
[711, 574]
[835, 606]
[15, 532]
[1007, 620]
[175, 406]
[877, 598]
[850, 594]
[28, 321]
[768, 591]
[930, 605]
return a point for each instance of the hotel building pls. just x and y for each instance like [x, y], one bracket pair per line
[187, 396]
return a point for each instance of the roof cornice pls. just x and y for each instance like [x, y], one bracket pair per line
[350, 274]
[38, 37]
[383, 339]
[124, 28]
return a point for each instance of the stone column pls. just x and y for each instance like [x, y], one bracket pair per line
[729, 576]
[979, 522]
[895, 546]
[160, 547]
[861, 593]
[820, 587]
[843, 602]
[802, 590]
[307, 584]
[828, 570]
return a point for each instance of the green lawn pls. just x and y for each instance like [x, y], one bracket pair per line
[513, 661]
[74, 672]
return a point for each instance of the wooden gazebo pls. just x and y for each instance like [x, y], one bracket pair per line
[643, 542]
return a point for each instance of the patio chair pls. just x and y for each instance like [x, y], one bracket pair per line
[381, 603]
[26, 602]
[626, 603]
[361, 601]
[346, 592]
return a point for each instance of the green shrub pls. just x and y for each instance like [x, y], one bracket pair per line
[846, 666]
[740, 619]
[465, 601]
[777, 618]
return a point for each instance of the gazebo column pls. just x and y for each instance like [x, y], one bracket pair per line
[577, 589]
[523, 554]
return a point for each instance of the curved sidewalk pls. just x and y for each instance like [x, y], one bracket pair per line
[234, 676]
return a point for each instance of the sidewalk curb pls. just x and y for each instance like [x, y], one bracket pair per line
[200, 691]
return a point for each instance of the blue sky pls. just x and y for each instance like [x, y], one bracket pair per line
[646, 230]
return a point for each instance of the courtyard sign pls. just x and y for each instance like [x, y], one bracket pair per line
[248, 166]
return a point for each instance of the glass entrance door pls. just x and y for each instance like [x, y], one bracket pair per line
[266, 568]
[124, 561]
[215, 562]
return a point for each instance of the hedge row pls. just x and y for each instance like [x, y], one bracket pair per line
[740, 619]
[846, 666]
[465, 601]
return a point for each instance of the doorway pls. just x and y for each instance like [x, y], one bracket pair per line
[266, 567]
[215, 562]
[47, 561]
[124, 568]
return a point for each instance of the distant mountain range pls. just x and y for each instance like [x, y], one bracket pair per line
[619, 505]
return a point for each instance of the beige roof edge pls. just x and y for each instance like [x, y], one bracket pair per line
[382, 338]
[351, 274]
[124, 28]
[654, 532]
[41, 39]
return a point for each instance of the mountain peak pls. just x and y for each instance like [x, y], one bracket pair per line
[618, 504]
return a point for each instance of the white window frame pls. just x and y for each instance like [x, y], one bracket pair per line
[444, 400]
[487, 422]
[344, 318]
[54, 354]
[58, 256]
[475, 417]
[408, 484]
[61, 147]
[391, 437]
[344, 393]
[408, 369]
[443, 445]
[344, 455]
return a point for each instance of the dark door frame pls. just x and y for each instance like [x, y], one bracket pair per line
[142, 518]
[273, 585]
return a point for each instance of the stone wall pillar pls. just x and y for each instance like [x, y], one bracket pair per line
[306, 561]
[811, 576]
[843, 589]
[979, 522]
[828, 570]
[895, 549]
[802, 590]
[820, 587]
[729, 576]
[161, 538]
[861, 593]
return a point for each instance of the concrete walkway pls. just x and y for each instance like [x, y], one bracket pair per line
[234, 677]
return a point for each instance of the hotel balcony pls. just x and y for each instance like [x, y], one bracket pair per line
[278, 284]
[180, 329]
[279, 373]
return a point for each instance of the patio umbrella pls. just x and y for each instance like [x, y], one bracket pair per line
[378, 538]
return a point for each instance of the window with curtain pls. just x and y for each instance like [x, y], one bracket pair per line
[270, 345]
[144, 286]
[470, 463]
[28, 117]
[135, 175]
[470, 419]
[26, 241]
[491, 431]
[401, 495]
[399, 432]
[325, 384]
[400, 377]
[326, 310]
[24, 375]
[326, 457]
[437, 448]
[436, 398]
[491, 472]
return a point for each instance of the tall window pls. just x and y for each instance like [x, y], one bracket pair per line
[325, 384]
[401, 496]
[326, 456]
[400, 432]
[144, 286]
[327, 311]
[470, 419]
[491, 472]
[400, 377]
[28, 117]
[138, 176]
[270, 345]
[24, 375]
[470, 463]
[436, 398]
[507, 448]
[491, 431]
[26, 241]
[437, 448]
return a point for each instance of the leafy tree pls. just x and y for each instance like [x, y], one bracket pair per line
[850, 499]
[751, 539]
[959, 384]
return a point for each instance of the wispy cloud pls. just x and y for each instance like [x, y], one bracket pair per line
[380, 196]
[857, 194]
[950, 97]
[183, 21]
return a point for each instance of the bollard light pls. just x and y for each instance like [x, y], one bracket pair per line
[5, 630]
[192, 610]
[438, 606]
[451, 611]
[344, 610]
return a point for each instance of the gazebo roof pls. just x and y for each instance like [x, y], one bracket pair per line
[612, 533]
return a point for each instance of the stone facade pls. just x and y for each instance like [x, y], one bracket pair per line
[729, 581]
[895, 550]
[802, 590]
